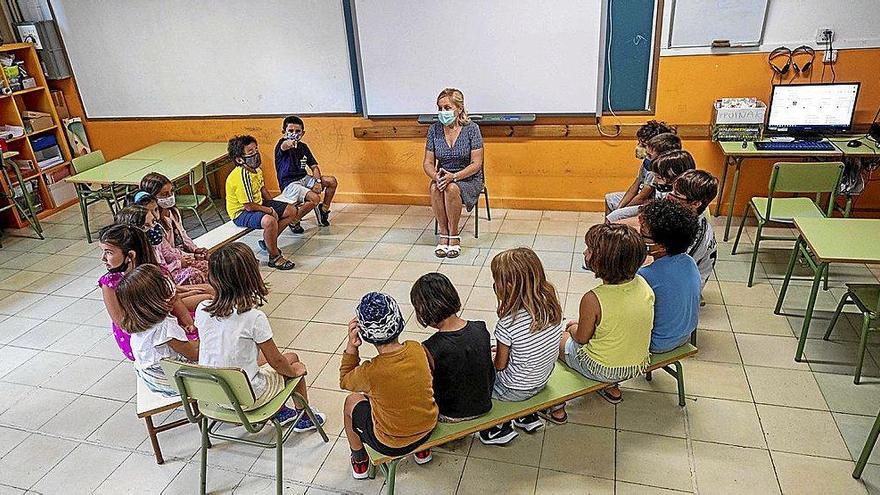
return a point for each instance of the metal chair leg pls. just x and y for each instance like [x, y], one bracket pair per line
[866, 450]
[279, 454]
[863, 341]
[835, 316]
[477, 218]
[203, 470]
[679, 376]
[488, 212]
[739, 231]
[755, 253]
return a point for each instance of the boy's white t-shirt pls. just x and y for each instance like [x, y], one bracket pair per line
[151, 346]
[231, 342]
[704, 250]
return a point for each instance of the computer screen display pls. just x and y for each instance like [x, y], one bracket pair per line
[812, 107]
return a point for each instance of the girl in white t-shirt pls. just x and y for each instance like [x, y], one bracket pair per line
[234, 333]
[146, 297]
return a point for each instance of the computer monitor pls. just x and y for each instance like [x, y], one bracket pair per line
[804, 109]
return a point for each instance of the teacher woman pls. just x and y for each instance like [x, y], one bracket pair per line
[454, 163]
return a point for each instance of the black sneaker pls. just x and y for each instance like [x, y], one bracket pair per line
[528, 423]
[262, 245]
[323, 216]
[296, 228]
[498, 435]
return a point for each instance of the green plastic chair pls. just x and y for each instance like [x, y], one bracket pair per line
[224, 395]
[866, 297]
[90, 195]
[193, 200]
[867, 449]
[791, 177]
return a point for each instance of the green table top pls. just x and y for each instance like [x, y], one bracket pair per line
[867, 148]
[111, 172]
[162, 150]
[842, 240]
[207, 152]
[735, 148]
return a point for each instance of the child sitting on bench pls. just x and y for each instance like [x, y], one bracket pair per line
[609, 341]
[527, 336]
[695, 189]
[392, 408]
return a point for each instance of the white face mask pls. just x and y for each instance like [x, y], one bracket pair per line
[167, 203]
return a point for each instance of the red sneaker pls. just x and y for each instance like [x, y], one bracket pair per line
[423, 456]
[360, 470]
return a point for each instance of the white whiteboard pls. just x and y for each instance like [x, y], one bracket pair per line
[135, 58]
[527, 57]
[700, 22]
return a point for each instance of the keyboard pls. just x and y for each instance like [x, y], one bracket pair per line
[794, 146]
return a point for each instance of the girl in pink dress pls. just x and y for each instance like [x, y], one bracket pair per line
[163, 190]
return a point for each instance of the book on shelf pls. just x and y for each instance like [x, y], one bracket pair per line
[49, 162]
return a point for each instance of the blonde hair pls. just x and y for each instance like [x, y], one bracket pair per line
[520, 283]
[234, 273]
[145, 298]
[457, 98]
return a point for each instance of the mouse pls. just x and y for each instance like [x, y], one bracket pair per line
[855, 143]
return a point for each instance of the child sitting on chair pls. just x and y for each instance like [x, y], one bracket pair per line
[392, 408]
[146, 297]
[527, 335]
[695, 189]
[669, 229]
[618, 200]
[163, 190]
[236, 334]
[460, 352]
[609, 341]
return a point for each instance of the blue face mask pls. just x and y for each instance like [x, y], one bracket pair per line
[446, 116]
[155, 234]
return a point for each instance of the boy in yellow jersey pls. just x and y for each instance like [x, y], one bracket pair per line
[249, 204]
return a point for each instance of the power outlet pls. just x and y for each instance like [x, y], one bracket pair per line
[824, 35]
[829, 56]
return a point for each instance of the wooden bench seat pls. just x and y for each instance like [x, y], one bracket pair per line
[220, 236]
[564, 384]
[150, 403]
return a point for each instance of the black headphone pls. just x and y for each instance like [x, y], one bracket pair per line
[803, 50]
[784, 53]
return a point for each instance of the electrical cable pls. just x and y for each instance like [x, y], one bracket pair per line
[610, 73]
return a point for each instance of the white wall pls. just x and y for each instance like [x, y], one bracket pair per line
[856, 24]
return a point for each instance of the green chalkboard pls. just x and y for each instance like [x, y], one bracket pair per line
[629, 51]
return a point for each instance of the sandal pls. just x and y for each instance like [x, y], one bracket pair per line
[610, 398]
[279, 263]
[442, 249]
[454, 250]
[547, 414]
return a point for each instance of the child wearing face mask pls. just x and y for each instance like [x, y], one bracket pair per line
[162, 189]
[185, 268]
[124, 248]
[651, 187]
[292, 156]
[249, 204]
[617, 200]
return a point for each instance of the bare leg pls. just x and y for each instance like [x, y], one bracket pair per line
[270, 234]
[354, 440]
[438, 204]
[330, 183]
[452, 202]
[313, 199]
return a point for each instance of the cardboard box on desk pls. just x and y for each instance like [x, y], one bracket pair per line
[36, 121]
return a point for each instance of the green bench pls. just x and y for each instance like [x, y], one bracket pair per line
[564, 385]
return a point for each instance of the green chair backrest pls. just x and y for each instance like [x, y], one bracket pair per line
[225, 387]
[806, 177]
[88, 162]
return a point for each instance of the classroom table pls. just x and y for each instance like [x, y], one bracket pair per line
[823, 241]
[734, 154]
[173, 159]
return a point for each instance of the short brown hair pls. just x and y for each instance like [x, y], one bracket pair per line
[234, 273]
[617, 252]
[145, 298]
[671, 164]
[434, 299]
[661, 143]
[652, 128]
[697, 185]
[520, 283]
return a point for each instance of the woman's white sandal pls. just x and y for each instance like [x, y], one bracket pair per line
[452, 251]
[442, 250]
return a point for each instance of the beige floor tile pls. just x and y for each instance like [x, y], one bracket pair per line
[802, 431]
[624, 488]
[218, 480]
[739, 294]
[319, 285]
[598, 460]
[748, 320]
[513, 226]
[297, 307]
[712, 293]
[339, 311]
[717, 346]
[82, 471]
[770, 351]
[591, 410]
[339, 267]
[644, 458]
[714, 317]
[725, 421]
[837, 356]
[40, 406]
[376, 269]
[854, 430]
[143, 472]
[352, 249]
[14, 327]
[284, 330]
[409, 271]
[781, 387]
[304, 452]
[554, 482]
[32, 458]
[38, 369]
[284, 282]
[651, 412]
[10, 438]
[321, 337]
[330, 403]
[81, 374]
[388, 251]
[525, 449]
[460, 276]
[701, 379]
[564, 243]
[734, 470]
[482, 298]
[482, 476]
[355, 288]
[815, 475]
[123, 429]
[843, 396]
[12, 305]
[328, 376]
[507, 240]
[336, 472]
[440, 476]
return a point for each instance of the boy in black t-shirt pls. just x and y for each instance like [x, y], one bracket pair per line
[298, 187]
[459, 353]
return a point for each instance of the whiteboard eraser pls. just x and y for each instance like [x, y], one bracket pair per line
[720, 43]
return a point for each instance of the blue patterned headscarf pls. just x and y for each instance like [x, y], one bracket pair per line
[379, 318]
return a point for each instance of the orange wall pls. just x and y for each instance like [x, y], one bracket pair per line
[525, 173]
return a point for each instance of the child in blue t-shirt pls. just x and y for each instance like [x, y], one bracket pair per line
[669, 229]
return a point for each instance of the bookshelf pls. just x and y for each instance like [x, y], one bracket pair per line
[49, 192]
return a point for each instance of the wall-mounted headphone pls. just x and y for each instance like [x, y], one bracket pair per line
[802, 51]
[780, 61]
